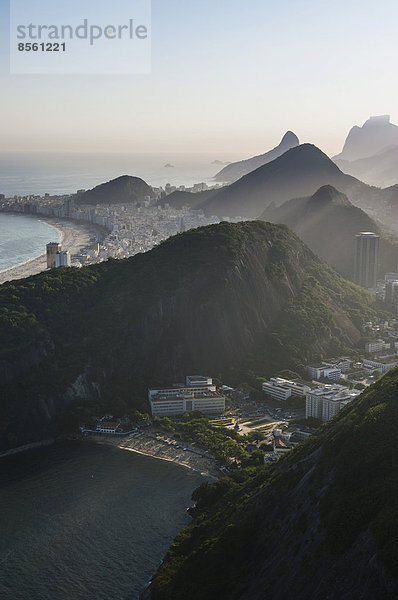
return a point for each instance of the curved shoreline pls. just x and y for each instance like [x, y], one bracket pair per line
[39, 256]
[74, 237]
[143, 444]
[147, 445]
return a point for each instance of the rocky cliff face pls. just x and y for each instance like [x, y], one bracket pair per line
[202, 302]
[375, 135]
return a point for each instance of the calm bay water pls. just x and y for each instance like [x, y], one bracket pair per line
[23, 238]
[24, 173]
[84, 521]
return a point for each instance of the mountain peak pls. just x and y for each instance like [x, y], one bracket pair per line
[307, 153]
[327, 194]
[299, 172]
[376, 134]
[239, 169]
[123, 189]
[290, 139]
[377, 120]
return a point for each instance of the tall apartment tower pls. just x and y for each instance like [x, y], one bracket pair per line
[366, 259]
[63, 259]
[52, 250]
[392, 295]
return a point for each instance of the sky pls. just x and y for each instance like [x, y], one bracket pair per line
[227, 77]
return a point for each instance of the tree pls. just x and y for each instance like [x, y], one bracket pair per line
[359, 386]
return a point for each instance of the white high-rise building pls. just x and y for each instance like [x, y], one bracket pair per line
[325, 402]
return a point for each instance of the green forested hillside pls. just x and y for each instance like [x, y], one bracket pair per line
[322, 523]
[227, 300]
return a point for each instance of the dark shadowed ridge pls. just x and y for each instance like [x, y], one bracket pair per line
[299, 172]
[328, 223]
[178, 199]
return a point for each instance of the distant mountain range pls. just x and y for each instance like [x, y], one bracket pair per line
[299, 172]
[212, 300]
[236, 170]
[328, 223]
[380, 170]
[376, 135]
[124, 189]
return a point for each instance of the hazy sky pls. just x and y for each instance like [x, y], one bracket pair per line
[227, 76]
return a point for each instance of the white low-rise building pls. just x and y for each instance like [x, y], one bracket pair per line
[325, 402]
[105, 426]
[327, 370]
[376, 346]
[198, 393]
[276, 389]
[382, 365]
[281, 389]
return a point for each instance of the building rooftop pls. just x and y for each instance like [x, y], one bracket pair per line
[194, 396]
[110, 424]
[385, 360]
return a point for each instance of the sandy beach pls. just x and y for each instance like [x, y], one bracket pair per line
[150, 443]
[75, 237]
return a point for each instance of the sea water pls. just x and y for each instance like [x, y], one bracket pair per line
[22, 238]
[25, 173]
[86, 521]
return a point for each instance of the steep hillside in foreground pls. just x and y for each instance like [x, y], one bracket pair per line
[220, 299]
[322, 523]
[328, 223]
[299, 172]
[236, 170]
[124, 189]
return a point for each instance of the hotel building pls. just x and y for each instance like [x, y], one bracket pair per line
[198, 393]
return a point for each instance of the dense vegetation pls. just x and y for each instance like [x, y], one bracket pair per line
[124, 189]
[223, 443]
[235, 301]
[292, 529]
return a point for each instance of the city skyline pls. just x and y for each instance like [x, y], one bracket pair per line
[223, 80]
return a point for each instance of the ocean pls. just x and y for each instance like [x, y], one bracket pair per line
[85, 521]
[22, 238]
[24, 173]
